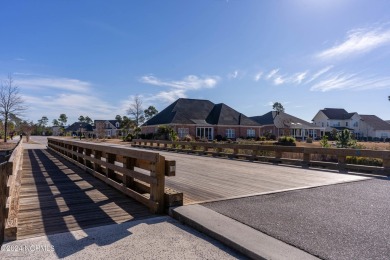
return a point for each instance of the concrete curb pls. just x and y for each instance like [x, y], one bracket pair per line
[234, 234]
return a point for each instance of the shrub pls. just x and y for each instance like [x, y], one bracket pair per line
[324, 142]
[187, 138]
[286, 140]
[309, 140]
[218, 138]
[364, 161]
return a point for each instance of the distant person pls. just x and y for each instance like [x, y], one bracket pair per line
[12, 136]
[21, 136]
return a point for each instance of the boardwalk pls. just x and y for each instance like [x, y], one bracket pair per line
[56, 196]
[207, 179]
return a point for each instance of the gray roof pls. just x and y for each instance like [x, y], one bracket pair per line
[337, 113]
[75, 127]
[282, 120]
[375, 122]
[200, 112]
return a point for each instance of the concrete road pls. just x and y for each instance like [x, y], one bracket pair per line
[39, 139]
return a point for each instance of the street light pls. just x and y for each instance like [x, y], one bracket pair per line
[80, 131]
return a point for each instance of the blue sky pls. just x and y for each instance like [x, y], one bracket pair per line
[92, 57]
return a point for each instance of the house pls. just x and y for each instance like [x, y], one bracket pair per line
[363, 126]
[337, 118]
[57, 130]
[280, 123]
[76, 128]
[107, 128]
[373, 126]
[203, 119]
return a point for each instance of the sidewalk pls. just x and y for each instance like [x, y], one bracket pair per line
[154, 238]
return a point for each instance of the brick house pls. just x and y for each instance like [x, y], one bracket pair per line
[107, 128]
[203, 119]
[280, 123]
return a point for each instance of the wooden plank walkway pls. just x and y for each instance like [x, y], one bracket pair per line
[203, 178]
[57, 196]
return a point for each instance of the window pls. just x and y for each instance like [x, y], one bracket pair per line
[230, 133]
[204, 132]
[346, 123]
[182, 132]
[117, 124]
[250, 133]
[327, 123]
[356, 124]
[322, 124]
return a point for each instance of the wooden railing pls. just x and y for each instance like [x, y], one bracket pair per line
[303, 156]
[138, 174]
[10, 178]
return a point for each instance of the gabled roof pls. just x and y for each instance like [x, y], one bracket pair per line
[337, 113]
[199, 112]
[112, 122]
[375, 122]
[282, 120]
[75, 127]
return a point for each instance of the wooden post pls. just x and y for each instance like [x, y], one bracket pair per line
[80, 158]
[386, 166]
[74, 149]
[341, 162]
[88, 163]
[110, 159]
[157, 190]
[3, 198]
[96, 166]
[128, 164]
[306, 159]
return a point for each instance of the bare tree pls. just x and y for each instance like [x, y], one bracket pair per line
[27, 128]
[135, 111]
[100, 130]
[10, 102]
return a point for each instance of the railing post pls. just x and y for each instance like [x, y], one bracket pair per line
[129, 164]
[341, 162]
[306, 159]
[88, 163]
[96, 166]
[110, 159]
[386, 166]
[3, 199]
[74, 149]
[80, 158]
[157, 190]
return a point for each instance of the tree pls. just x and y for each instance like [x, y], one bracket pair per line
[55, 122]
[43, 121]
[88, 120]
[150, 112]
[27, 128]
[344, 139]
[81, 119]
[136, 112]
[62, 120]
[278, 107]
[10, 102]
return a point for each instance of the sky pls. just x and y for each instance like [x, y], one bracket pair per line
[93, 57]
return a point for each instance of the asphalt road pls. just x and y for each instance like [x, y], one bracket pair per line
[343, 221]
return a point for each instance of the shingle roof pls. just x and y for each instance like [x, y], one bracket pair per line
[375, 122]
[282, 120]
[337, 113]
[75, 127]
[201, 112]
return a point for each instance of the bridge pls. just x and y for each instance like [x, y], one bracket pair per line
[75, 185]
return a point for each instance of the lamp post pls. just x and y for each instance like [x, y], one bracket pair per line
[80, 131]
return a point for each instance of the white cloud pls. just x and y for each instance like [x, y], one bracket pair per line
[319, 73]
[299, 77]
[279, 80]
[258, 76]
[178, 88]
[233, 75]
[344, 81]
[358, 41]
[272, 73]
[190, 82]
[73, 105]
[49, 82]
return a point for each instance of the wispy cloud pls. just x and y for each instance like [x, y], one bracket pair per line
[51, 82]
[299, 77]
[345, 81]
[272, 73]
[233, 75]
[319, 73]
[258, 76]
[278, 80]
[358, 41]
[178, 88]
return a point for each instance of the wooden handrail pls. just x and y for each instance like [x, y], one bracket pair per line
[10, 177]
[138, 174]
[275, 154]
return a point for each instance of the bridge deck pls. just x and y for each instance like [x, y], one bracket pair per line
[56, 196]
[203, 178]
